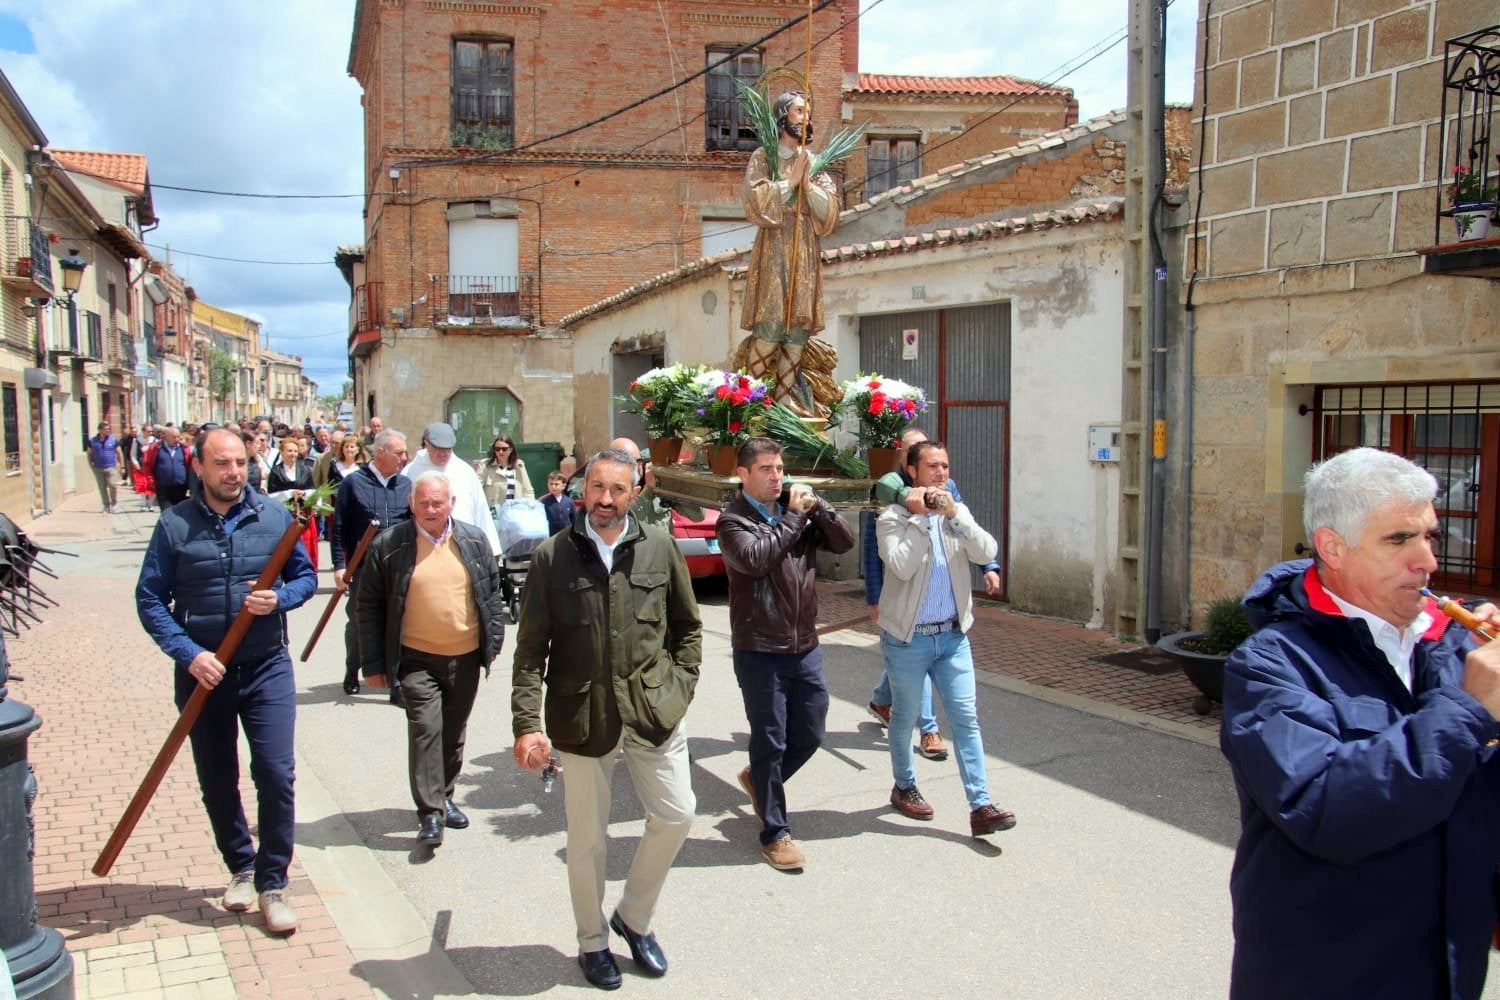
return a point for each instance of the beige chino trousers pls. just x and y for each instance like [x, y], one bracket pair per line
[663, 783]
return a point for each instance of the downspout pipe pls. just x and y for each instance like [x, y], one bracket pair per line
[1156, 515]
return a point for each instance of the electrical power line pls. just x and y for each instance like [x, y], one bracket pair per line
[242, 260]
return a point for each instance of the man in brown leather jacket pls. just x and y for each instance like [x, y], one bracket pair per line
[769, 539]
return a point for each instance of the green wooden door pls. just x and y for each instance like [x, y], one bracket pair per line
[478, 416]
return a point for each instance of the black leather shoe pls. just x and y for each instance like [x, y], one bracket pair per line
[431, 832]
[644, 950]
[453, 817]
[599, 969]
[351, 683]
[397, 698]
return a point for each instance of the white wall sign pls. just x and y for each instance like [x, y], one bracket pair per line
[908, 345]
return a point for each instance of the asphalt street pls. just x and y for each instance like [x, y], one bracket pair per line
[1112, 884]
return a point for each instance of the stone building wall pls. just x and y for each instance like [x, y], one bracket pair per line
[1319, 182]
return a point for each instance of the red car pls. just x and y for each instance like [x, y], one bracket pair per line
[697, 542]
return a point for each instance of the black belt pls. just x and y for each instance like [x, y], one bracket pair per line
[935, 628]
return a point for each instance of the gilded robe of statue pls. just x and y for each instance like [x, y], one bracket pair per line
[779, 340]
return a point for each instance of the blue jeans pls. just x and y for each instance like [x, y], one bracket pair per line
[263, 697]
[947, 660]
[926, 715]
[786, 706]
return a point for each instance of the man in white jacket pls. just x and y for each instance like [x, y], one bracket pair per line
[925, 614]
[469, 505]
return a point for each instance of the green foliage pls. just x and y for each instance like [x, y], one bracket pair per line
[665, 399]
[223, 372]
[763, 118]
[318, 502]
[480, 136]
[803, 448]
[1226, 626]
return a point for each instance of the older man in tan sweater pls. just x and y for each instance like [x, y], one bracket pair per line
[427, 611]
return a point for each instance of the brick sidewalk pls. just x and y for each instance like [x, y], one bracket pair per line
[154, 926]
[1058, 655]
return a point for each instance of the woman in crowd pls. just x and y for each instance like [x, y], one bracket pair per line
[290, 477]
[504, 474]
[145, 488]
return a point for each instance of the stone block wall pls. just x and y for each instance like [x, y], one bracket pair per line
[1319, 181]
[1321, 128]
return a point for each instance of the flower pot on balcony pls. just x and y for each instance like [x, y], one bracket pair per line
[1472, 222]
[23, 267]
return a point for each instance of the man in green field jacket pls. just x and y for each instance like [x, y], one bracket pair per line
[608, 618]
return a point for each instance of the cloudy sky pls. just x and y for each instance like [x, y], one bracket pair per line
[251, 96]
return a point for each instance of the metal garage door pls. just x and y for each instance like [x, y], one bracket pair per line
[963, 364]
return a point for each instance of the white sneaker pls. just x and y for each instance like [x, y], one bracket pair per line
[241, 892]
[279, 915]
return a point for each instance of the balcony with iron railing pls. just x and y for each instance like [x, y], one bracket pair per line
[364, 318]
[29, 271]
[1468, 187]
[119, 350]
[505, 303]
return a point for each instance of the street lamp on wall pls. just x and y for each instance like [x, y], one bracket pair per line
[73, 266]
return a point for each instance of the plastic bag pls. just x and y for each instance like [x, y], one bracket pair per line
[521, 524]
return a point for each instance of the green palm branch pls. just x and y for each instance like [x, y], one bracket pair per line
[768, 134]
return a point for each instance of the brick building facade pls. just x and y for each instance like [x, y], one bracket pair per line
[917, 125]
[491, 213]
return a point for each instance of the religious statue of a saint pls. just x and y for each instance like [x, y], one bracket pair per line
[793, 206]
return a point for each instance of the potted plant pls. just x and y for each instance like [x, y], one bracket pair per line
[665, 399]
[731, 410]
[1473, 202]
[1201, 654]
[880, 409]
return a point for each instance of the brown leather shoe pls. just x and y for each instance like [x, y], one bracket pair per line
[882, 713]
[783, 855]
[933, 747]
[909, 802]
[988, 819]
[744, 777]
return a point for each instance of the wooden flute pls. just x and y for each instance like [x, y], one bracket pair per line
[1462, 615]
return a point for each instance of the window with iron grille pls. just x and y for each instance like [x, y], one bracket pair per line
[728, 123]
[483, 112]
[1453, 431]
[890, 162]
[10, 406]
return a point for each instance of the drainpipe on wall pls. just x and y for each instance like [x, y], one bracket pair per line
[1156, 177]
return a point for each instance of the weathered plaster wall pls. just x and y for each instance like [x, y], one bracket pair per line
[412, 384]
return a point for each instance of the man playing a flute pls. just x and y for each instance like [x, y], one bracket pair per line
[1360, 723]
[203, 556]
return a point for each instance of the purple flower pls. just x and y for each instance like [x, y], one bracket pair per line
[699, 411]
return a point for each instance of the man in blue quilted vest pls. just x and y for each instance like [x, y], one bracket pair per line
[203, 559]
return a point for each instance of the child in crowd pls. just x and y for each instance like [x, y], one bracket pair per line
[558, 504]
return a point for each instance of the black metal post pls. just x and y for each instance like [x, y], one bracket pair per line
[40, 965]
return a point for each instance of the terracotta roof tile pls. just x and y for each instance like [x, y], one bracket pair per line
[126, 170]
[953, 86]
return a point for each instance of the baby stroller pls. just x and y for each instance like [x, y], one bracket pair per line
[522, 526]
